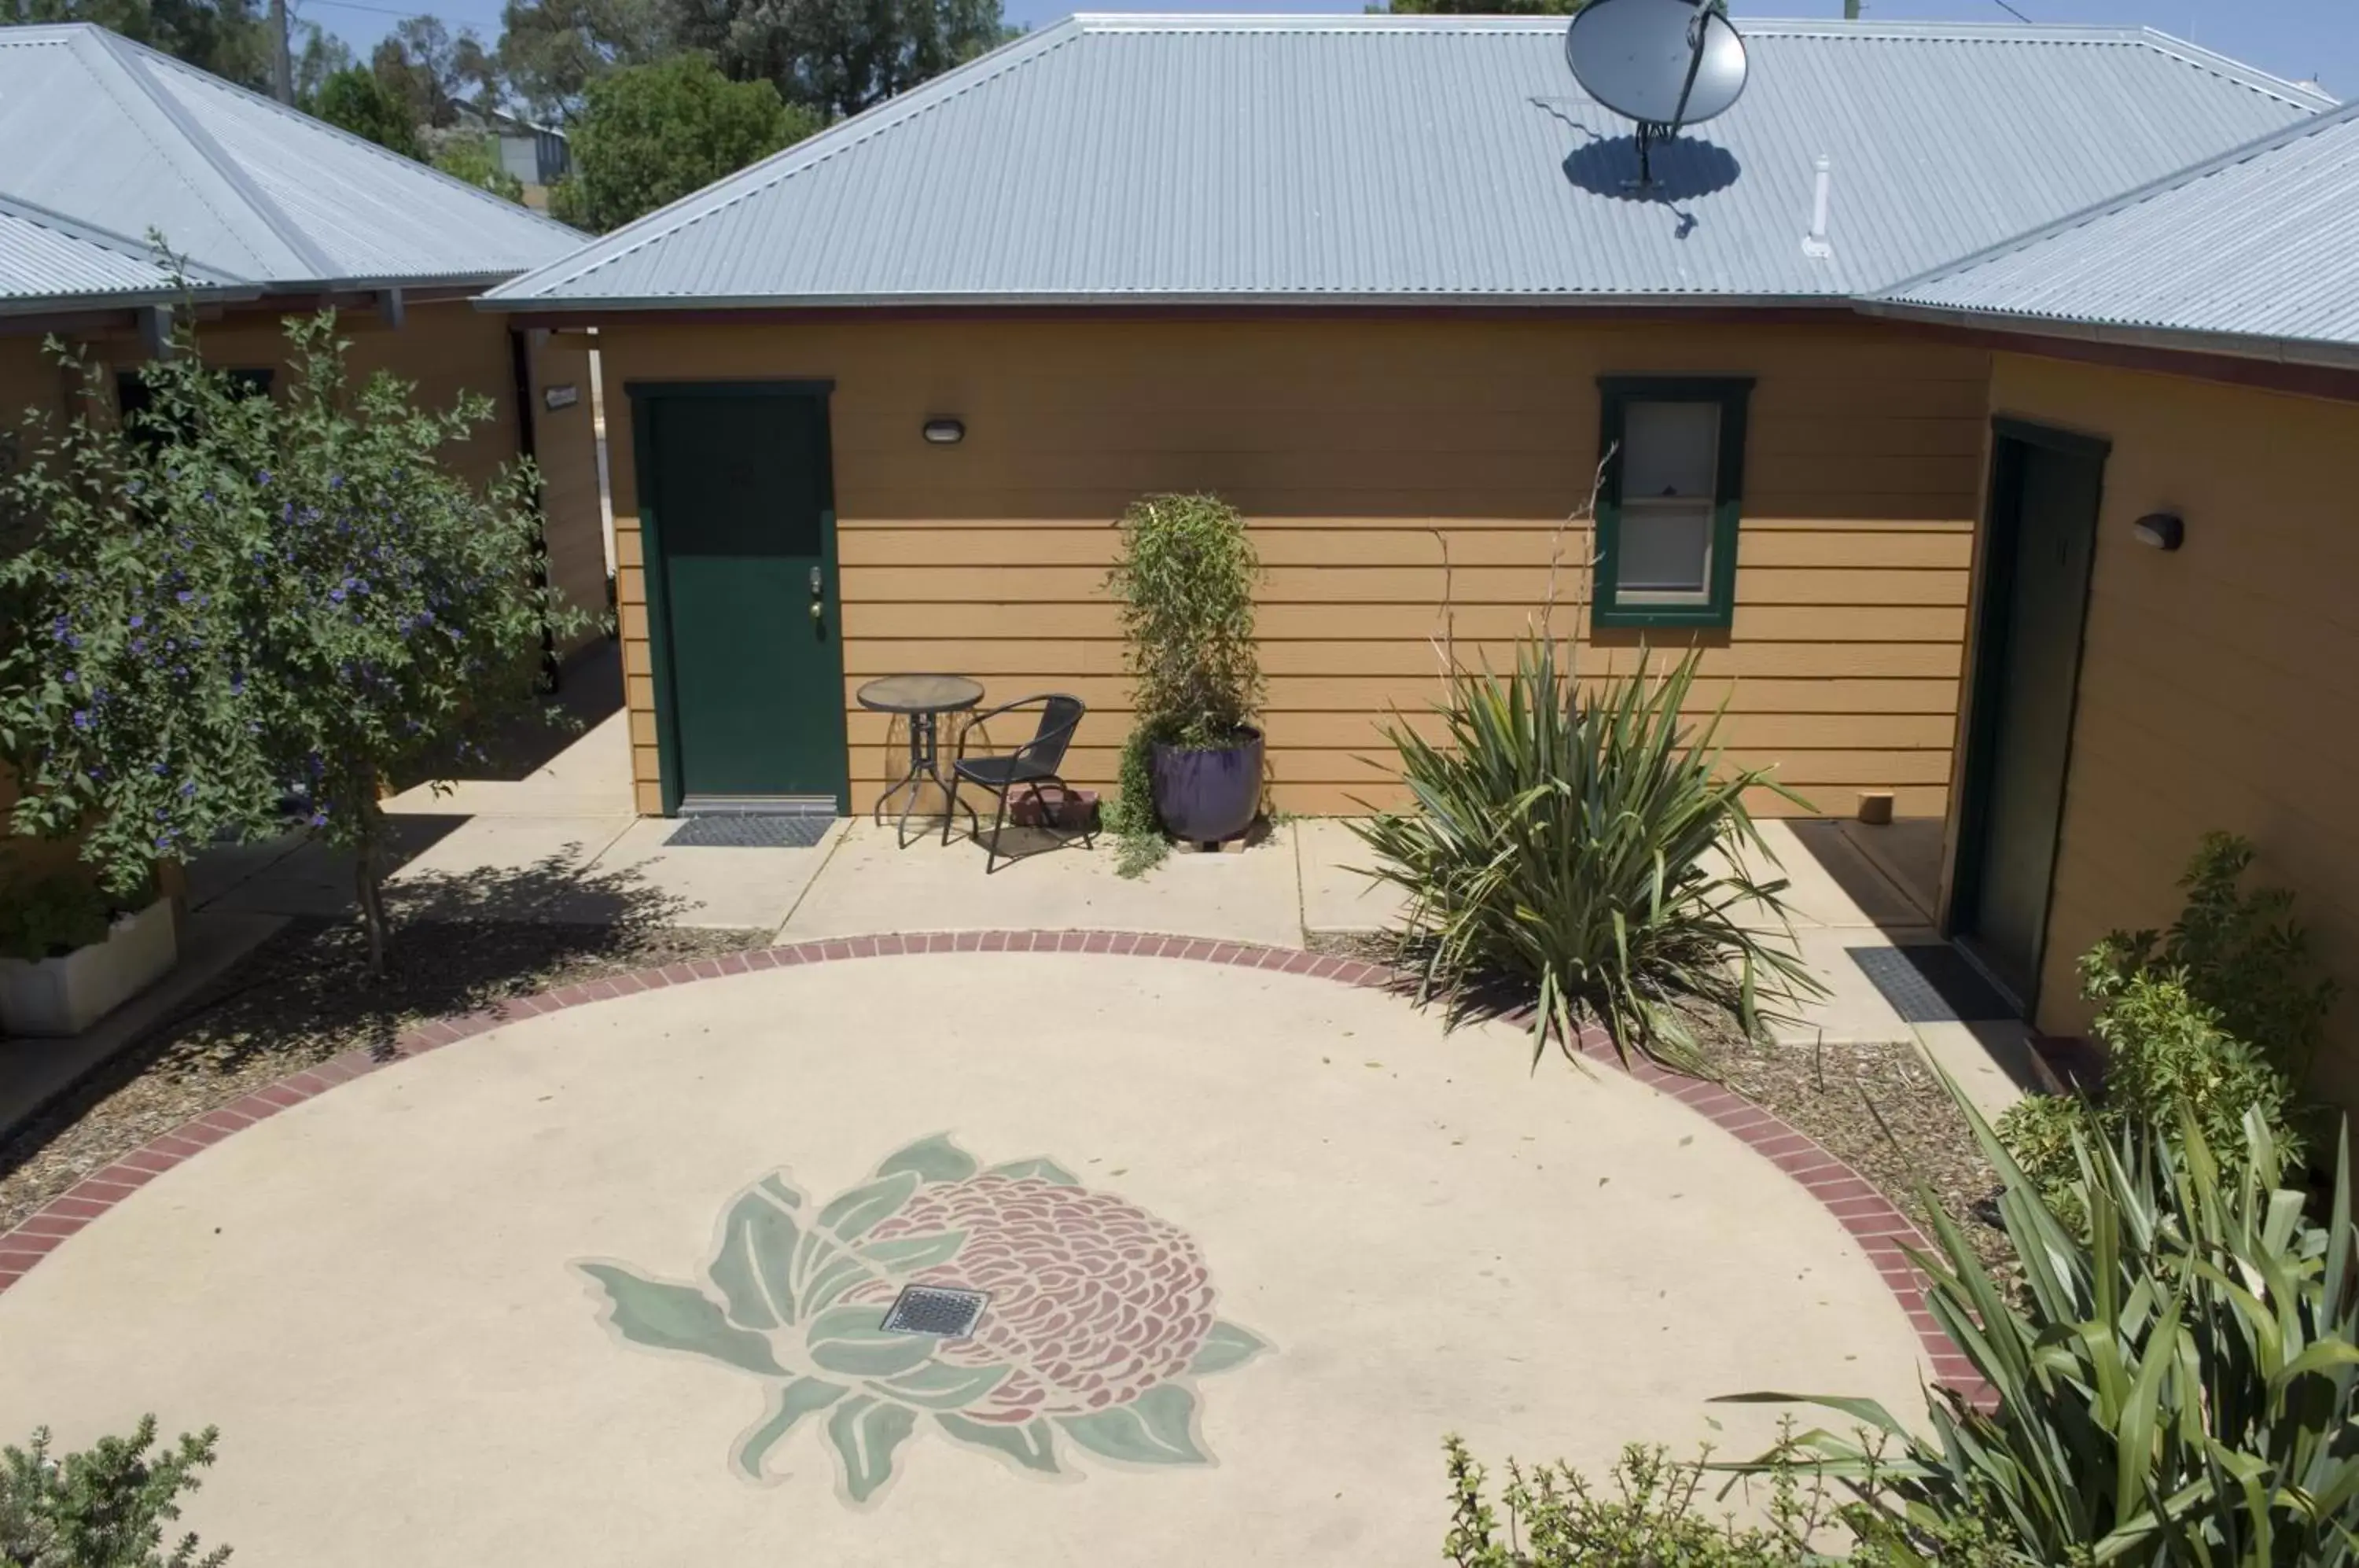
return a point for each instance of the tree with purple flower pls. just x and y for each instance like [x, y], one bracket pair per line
[236, 594]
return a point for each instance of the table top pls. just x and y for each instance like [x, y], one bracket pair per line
[919, 693]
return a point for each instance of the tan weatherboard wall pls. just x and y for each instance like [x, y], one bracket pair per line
[2218, 682]
[1358, 447]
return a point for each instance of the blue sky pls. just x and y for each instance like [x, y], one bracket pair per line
[2313, 40]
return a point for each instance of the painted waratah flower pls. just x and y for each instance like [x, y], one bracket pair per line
[1097, 1316]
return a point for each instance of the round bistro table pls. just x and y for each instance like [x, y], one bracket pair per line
[922, 700]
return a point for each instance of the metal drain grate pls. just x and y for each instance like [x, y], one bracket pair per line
[930, 1309]
[736, 831]
[1930, 984]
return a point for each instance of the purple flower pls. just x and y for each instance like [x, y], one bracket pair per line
[69, 677]
[137, 621]
[262, 476]
[185, 596]
[337, 594]
[81, 718]
[319, 819]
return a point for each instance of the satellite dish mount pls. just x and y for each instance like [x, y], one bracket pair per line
[1664, 64]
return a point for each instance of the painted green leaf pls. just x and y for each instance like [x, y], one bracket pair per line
[1047, 1170]
[778, 1187]
[788, 1404]
[838, 1271]
[1227, 1346]
[1034, 1446]
[751, 1272]
[848, 1340]
[908, 1253]
[865, 1431]
[664, 1317]
[934, 1159]
[940, 1387]
[858, 1212]
[1156, 1428]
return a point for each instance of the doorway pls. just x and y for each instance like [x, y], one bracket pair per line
[737, 529]
[2045, 489]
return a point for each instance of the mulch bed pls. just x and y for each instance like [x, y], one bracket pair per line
[306, 995]
[1878, 1108]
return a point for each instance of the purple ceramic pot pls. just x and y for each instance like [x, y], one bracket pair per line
[1206, 795]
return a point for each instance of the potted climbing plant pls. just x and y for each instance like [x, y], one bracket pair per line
[70, 952]
[1185, 580]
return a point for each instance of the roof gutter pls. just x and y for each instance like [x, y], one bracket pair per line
[139, 300]
[2236, 345]
[853, 304]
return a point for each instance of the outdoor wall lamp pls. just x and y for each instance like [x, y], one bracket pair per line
[2162, 531]
[945, 432]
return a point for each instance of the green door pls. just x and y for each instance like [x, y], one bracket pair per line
[738, 520]
[2045, 488]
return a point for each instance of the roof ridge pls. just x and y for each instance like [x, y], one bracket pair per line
[108, 239]
[312, 123]
[809, 153]
[127, 54]
[2283, 136]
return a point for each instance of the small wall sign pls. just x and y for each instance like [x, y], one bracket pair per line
[563, 397]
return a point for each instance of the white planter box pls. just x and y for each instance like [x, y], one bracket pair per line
[66, 996]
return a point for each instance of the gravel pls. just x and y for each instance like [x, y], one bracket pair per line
[302, 998]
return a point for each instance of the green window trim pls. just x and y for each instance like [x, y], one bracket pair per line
[1615, 394]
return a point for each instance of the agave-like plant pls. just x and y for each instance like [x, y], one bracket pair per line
[2175, 1389]
[1560, 841]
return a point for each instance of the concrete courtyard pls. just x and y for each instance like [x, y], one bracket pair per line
[1256, 1241]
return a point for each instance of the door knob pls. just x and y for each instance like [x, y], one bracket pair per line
[819, 611]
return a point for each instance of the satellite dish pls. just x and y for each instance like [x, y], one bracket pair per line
[1664, 63]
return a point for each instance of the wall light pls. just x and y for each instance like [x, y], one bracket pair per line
[2162, 531]
[945, 432]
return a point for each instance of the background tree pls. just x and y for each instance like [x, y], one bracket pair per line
[475, 158]
[648, 135]
[228, 38]
[550, 50]
[321, 55]
[838, 56]
[432, 71]
[357, 101]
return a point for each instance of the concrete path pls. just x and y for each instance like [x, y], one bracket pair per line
[1254, 1242]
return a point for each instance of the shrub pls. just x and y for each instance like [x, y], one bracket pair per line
[2207, 1022]
[50, 918]
[1562, 845]
[2175, 1385]
[240, 592]
[1651, 1518]
[104, 1508]
[2241, 955]
[1185, 581]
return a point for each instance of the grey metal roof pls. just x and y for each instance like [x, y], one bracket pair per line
[120, 137]
[1408, 159]
[2253, 252]
[47, 262]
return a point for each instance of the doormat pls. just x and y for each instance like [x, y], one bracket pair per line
[1932, 983]
[735, 831]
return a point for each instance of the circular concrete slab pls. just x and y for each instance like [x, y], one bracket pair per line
[607, 1285]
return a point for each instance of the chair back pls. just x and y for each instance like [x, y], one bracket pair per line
[1060, 716]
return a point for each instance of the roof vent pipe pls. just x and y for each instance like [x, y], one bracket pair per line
[1814, 243]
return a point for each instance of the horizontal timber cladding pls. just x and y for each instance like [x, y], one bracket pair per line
[2218, 679]
[1407, 481]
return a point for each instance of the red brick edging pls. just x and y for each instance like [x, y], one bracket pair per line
[1881, 1229]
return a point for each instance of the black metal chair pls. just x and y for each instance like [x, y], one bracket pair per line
[1027, 767]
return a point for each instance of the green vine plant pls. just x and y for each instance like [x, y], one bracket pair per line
[1185, 581]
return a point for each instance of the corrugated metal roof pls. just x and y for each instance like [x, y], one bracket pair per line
[2257, 247]
[46, 260]
[1402, 159]
[120, 137]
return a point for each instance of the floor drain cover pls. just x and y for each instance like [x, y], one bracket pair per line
[1930, 984]
[734, 831]
[929, 1309]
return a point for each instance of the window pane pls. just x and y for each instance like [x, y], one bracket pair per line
[1669, 449]
[1666, 551]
